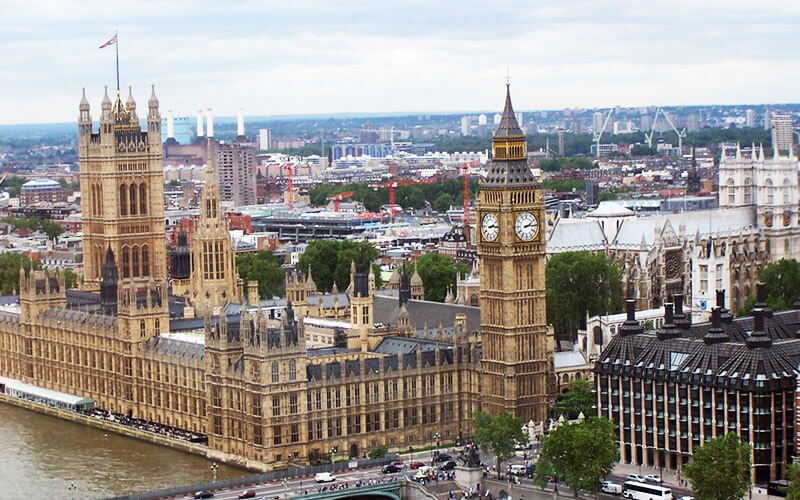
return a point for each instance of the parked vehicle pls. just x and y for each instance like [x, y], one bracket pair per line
[611, 487]
[517, 469]
[324, 477]
[449, 465]
[653, 478]
[637, 478]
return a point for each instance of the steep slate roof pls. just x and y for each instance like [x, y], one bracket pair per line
[576, 233]
[175, 348]
[423, 312]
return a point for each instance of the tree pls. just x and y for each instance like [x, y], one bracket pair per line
[330, 261]
[498, 435]
[51, 229]
[782, 283]
[793, 476]
[443, 203]
[9, 270]
[577, 283]
[438, 273]
[378, 452]
[720, 469]
[70, 278]
[264, 268]
[542, 472]
[582, 452]
[578, 399]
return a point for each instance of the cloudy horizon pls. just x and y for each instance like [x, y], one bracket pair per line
[314, 57]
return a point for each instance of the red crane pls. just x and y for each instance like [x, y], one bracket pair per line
[337, 199]
[392, 185]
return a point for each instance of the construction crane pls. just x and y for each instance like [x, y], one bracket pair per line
[599, 135]
[392, 185]
[649, 137]
[337, 199]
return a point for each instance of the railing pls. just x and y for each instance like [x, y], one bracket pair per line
[243, 482]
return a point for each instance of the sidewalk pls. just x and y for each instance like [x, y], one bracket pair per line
[668, 476]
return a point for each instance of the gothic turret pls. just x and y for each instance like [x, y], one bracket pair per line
[404, 287]
[108, 285]
[131, 103]
[180, 264]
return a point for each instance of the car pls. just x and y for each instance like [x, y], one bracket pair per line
[687, 497]
[517, 469]
[390, 469]
[400, 464]
[324, 477]
[247, 494]
[415, 465]
[611, 487]
[203, 494]
[442, 457]
[449, 465]
[652, 478]
[637, 478]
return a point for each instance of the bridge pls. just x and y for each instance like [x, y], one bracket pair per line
[384, 491]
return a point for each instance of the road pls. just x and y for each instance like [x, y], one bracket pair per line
[301, 486]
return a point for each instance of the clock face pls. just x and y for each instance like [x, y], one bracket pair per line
[526, 226]
[489, 227]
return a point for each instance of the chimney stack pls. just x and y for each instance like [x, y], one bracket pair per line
[240, 123]
[209, 124]
[170, 125]
[200, 123]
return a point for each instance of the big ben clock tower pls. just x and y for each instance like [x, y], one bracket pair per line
[516, 353]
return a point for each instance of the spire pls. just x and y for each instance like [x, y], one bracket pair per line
[131, 102]
[753, 152]
[508, 122]
[84, 106]
[153, 102]
[106, 100]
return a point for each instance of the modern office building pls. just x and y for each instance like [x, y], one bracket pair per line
[782, 132]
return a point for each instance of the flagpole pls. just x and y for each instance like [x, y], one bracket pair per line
[116, 47]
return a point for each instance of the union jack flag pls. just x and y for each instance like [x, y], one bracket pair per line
[112, 41]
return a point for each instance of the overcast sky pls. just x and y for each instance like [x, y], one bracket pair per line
[297, 57]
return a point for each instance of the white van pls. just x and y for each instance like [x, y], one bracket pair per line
[518, 469]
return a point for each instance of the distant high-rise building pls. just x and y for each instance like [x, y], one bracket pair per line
[237, 182]
[264, 139]
[750, 118]
[482, 119]
[496, 119]
[782, 132]
[597, 122]
[465, 125]
[644, 123]
[592, 192]
[520, 118]
[692, 122]
[561, 142]
[577, 126]
[767, 120]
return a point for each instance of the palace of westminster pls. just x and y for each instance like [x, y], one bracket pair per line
[399, 371]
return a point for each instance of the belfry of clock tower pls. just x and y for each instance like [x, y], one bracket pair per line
[516, 350]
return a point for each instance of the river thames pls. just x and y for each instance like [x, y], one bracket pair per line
[41, 456]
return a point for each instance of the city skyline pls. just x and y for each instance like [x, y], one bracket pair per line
[319, 59]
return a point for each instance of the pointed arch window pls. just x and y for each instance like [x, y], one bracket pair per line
[786, 192]
[123, 199]
[145, 260]
[275, 375]
[770, 191]
[135, 262]
[748, 191]
[132, 199]
[731, 192]
[292, 370]
[126, 262]
[142, 199]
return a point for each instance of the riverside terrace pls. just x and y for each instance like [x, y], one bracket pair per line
[673, 389]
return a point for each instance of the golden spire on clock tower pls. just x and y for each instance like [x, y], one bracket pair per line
[516, 350]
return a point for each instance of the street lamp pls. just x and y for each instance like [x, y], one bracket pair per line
[214, 468]
[71, 488]
[333, 451]
[285, 484]
[436, 437]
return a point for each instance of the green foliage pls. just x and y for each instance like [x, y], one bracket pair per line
[438, 272]
[578, 282]
[648, 325]
[378, 452]
[307, 150]
[578, 398]
[265, 268]
[582, 452]
[556, 164]
[70, 278]
[413, 196]
[720, 469]
[608, 195]
[9, 270]
[50, 228]
[564, 185]
[542, 472]
[498, 434]
[793, 476]
[330, 261]
[643, 150]
[376, 270]
[443, 203]
[14, 184]
[782, 282]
